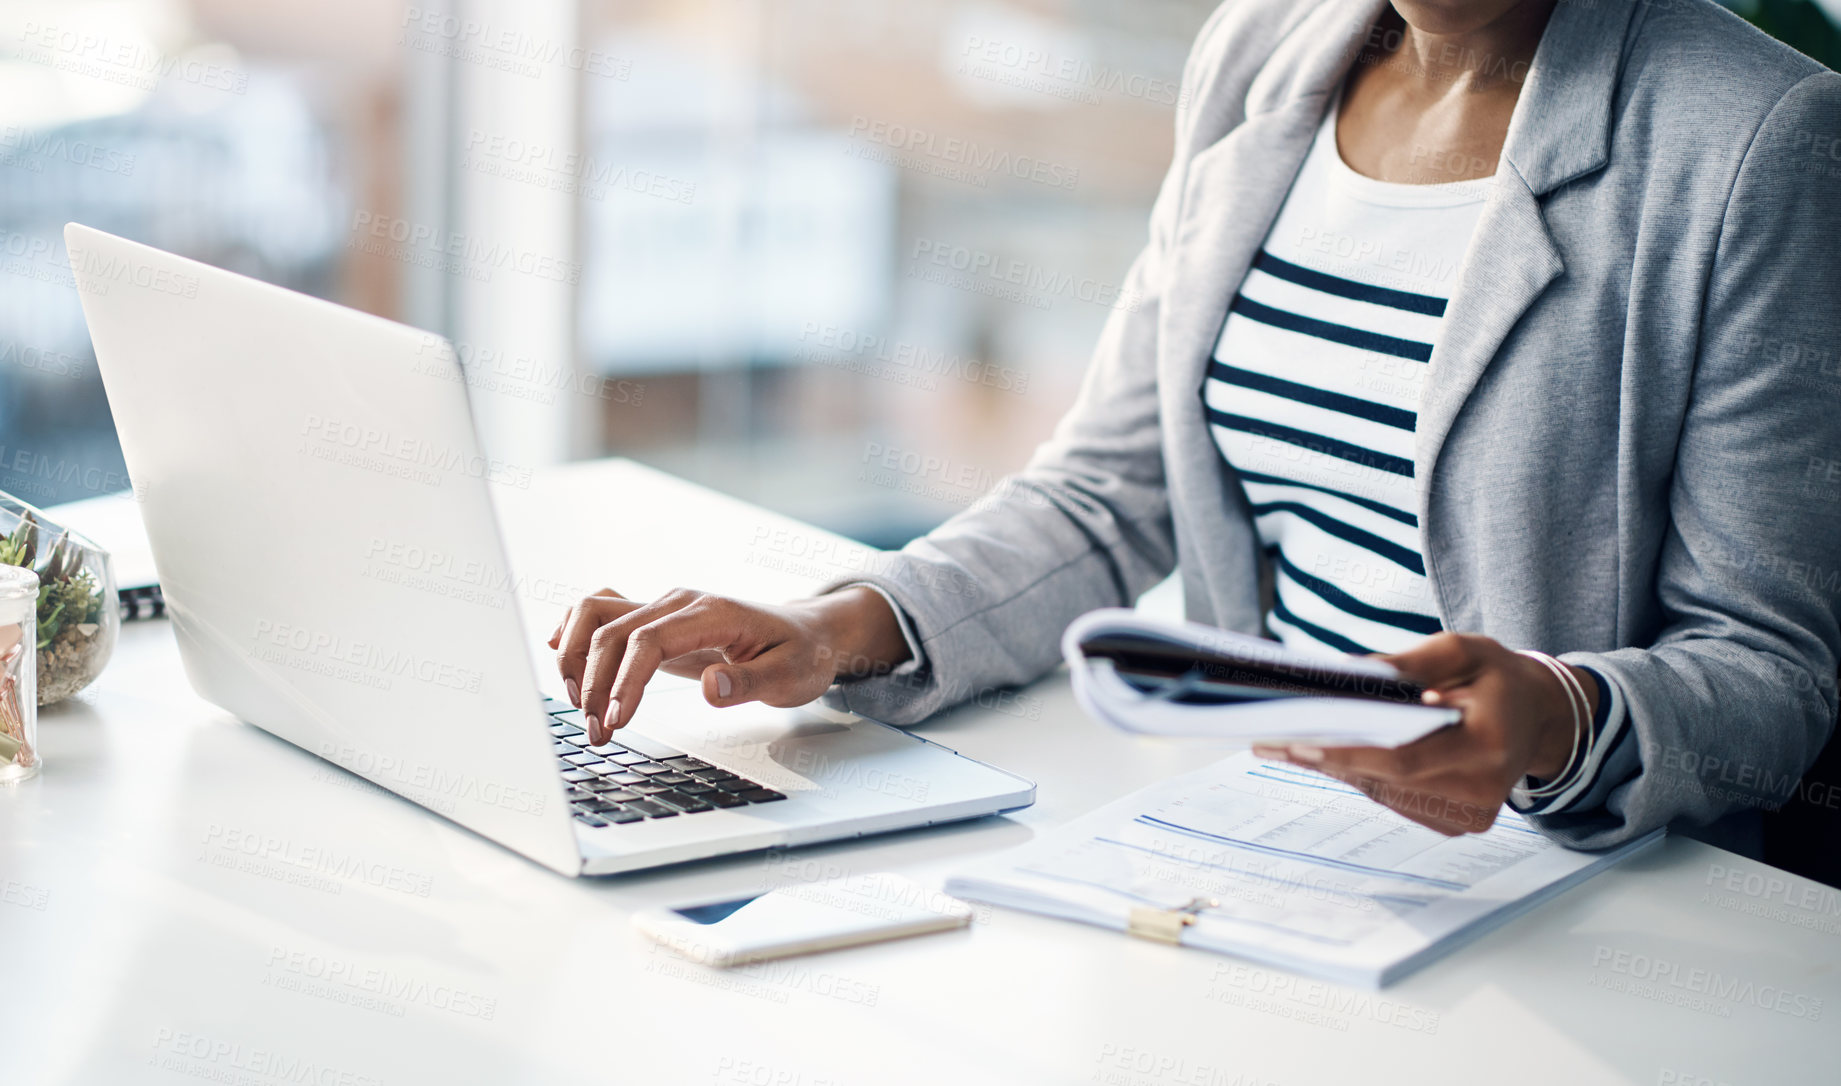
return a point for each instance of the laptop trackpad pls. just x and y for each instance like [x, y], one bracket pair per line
[811, 749]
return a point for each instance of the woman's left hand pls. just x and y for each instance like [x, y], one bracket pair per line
[1518, 722]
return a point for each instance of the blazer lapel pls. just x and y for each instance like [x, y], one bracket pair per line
[1561, 131]
[1233, 192]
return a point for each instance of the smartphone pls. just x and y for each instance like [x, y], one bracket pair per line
[803, 919]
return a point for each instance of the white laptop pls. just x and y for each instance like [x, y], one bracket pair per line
[277, 443]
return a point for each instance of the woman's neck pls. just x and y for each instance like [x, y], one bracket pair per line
[1469, 49]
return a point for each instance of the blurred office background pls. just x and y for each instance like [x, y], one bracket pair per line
[846, 258]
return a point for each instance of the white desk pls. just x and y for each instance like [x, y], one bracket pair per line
[134, 948]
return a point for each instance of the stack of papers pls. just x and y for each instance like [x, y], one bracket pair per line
[1288, 868]
[1185, 679]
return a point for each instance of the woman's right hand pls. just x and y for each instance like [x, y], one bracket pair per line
[608, 647]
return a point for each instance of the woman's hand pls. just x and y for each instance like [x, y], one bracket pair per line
[1518, 721]
[608, 647]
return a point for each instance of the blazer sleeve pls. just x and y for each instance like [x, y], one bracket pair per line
[1085, 524]
[1737, 695]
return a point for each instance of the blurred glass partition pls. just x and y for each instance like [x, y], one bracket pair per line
[242, 134]
[853, 255]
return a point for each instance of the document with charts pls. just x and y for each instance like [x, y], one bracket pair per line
[1286, 867]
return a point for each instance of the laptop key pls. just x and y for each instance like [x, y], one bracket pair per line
[597, 786]
[672, 779]
[619, 795]
[583, 758]
[698, 788]
[647, 745]
[626, 778]
[607, 749]
[597, 806]
[590, 819]
[736, 784]
[627, 757]
[686, 764]
[649, 809]
[606, 769]
[649, 769]
[563, 749]
[576, 776]
[712, 774]
[623, 816]
[651, 789]
[761, 795]
[722, 799]
[562, 731]
[688, 804]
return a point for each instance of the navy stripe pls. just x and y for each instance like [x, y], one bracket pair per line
[1386, 548]
[1335, 333]
[1330, 638]
[1388, 511]
[1349, 288]
[1398, 418]
[1342, 601]
[1328, 446]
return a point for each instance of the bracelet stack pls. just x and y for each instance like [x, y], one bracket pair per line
[1583, 730]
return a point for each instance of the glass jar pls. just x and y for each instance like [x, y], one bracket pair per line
[18, 674]
[79, 612]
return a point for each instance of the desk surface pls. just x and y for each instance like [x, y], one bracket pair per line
[378, 944]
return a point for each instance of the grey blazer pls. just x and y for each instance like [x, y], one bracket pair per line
[1629, 443]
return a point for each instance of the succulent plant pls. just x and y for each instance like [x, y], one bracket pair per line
[68, 594]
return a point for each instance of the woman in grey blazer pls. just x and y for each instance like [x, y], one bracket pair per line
[1627, 448]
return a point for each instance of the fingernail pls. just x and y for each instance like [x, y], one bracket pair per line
[575, 692]
[1431, 697]
[1313, 755]
[1268, 752]
[594, 730]
[613, 717]
[723, 685]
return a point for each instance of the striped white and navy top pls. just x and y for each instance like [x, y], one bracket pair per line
[1313, 398]
[1313, 395]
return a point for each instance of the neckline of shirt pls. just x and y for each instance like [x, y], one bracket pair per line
[1389, 193]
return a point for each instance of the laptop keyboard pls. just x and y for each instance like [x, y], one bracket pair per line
[635, 778]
